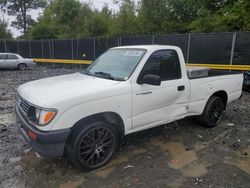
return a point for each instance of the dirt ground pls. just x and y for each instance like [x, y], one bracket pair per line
[180, 154]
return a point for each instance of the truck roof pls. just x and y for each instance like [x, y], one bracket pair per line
[148, 47]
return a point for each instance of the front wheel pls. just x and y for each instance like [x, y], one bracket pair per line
[213, 112]
[92, 146]
[21, 66]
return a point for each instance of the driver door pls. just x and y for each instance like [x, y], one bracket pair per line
[154, 105]
[11, 60]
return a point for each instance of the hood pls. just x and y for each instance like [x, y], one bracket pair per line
[46, 91]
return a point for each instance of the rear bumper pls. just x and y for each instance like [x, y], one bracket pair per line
[47, 143]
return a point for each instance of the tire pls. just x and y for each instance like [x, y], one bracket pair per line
[21, 66]
[91, 146]
[212, 113]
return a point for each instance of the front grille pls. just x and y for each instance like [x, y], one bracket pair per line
[23, 105]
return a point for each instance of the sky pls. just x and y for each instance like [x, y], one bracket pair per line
[95, 4]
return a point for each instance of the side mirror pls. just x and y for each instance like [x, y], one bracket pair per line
[151, 79]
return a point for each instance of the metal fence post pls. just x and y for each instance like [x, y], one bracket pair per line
[42, 48]
[18, 49]
[77, 46]
[53, 49]
[120, 41]
[30, 49]
[49, 49]
[94, 47]
[232, 48]
[72, 49]
[5, 46]
[188, 48]
[52, 54]
[153, 39]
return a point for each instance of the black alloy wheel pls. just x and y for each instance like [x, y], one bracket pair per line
[216, 111]
[212, 113]
[93, 146]
[96, 147]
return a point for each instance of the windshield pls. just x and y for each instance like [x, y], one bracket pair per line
[116, 64]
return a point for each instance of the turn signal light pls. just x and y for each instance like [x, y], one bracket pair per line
[32, 135]
[48, 116]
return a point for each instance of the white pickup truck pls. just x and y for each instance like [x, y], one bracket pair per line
[127, 89]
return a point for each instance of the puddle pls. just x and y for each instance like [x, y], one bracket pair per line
[180, 156]
[242, 162]
[177, 183]
[195, 170]
[182, 159]
[105, 171]
[73, 184]
[30, 159]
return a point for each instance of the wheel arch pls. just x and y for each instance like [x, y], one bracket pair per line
[109, 117]
[20, 63]
[223, 95]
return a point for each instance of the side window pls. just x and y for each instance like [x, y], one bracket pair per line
[11, 56]
[164, 63]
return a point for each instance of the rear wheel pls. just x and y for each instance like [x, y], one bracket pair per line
[213, 112]
[92, 146]
[21, 66]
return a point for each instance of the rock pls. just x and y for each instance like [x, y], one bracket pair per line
[197, 181]
[200, 136]
[26, 151]
[235, 146]
[244, 153]
[38, 155]
[14, 160]
[3, 130]
[128, 166]
[230, 124]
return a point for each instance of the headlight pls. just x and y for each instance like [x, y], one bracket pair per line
[41, 116]
[46, 116]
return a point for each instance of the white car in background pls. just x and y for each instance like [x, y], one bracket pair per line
[15, 61]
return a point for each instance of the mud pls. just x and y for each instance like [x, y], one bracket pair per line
[180, 154]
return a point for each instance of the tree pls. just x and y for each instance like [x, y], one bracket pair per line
[225, 15]
[97, 25]
[43, 31]
[4, 32]
[124, 22]
[67, 18]
[153, 16]
[20, 9]
[73, 19]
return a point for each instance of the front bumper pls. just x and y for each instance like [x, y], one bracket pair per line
[47, 143]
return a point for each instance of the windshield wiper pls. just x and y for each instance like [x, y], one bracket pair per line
[106, 75]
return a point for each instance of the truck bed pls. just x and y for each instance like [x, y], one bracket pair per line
[211, 72]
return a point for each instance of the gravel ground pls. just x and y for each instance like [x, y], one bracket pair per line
[180, 154]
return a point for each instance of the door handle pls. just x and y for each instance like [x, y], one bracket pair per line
[181, 88]
[145, 93]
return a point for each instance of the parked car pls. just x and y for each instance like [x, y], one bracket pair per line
[127, 89]
[15, 61]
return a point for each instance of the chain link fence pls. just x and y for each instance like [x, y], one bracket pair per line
[198, 48]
